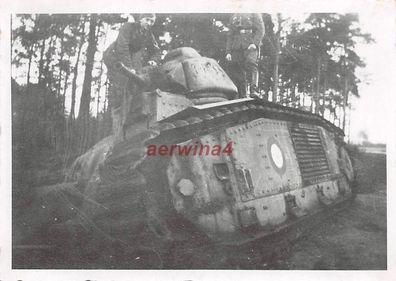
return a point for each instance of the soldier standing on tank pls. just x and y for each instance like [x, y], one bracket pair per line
[134, 46]
[242, 50]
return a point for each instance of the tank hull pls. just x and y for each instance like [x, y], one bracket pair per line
[264, 170]
[270, 170]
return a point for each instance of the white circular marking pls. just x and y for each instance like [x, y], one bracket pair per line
[186, 187]
[276, 155]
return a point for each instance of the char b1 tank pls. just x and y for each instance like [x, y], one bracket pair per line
[195, 161]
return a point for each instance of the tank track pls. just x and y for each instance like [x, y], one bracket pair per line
[200, 120]
[116, 224]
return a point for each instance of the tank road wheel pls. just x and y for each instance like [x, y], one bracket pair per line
[180, 244]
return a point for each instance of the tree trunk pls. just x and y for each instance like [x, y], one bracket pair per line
[31, 52]
[64, 129]
[69, 123]
[64, 91]
[293, 95]
[349, 126]
[107, 121]
[345, 103]
[83, 114]
[323, 96]
[317, 92]
[312, 95]
[74, 82]
[41, 63]
[62, 53]
[276, 60]
[98, 130]
[346, 91]
[45, 80]
[48, 55]
[102, 130]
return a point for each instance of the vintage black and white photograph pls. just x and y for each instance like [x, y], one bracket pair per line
[200, 140]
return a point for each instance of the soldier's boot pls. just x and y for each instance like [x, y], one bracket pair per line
[243, 88]
[246, 90]
[254, 92]
[253, 87]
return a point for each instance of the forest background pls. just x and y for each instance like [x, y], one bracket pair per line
[60, 88]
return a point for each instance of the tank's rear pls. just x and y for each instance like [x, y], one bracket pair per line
[254, 178]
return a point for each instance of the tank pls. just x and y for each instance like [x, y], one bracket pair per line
[198, 165]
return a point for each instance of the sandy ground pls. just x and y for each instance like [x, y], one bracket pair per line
[354, 238]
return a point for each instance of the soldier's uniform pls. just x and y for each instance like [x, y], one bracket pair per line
[134, 46]
[245, 29]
